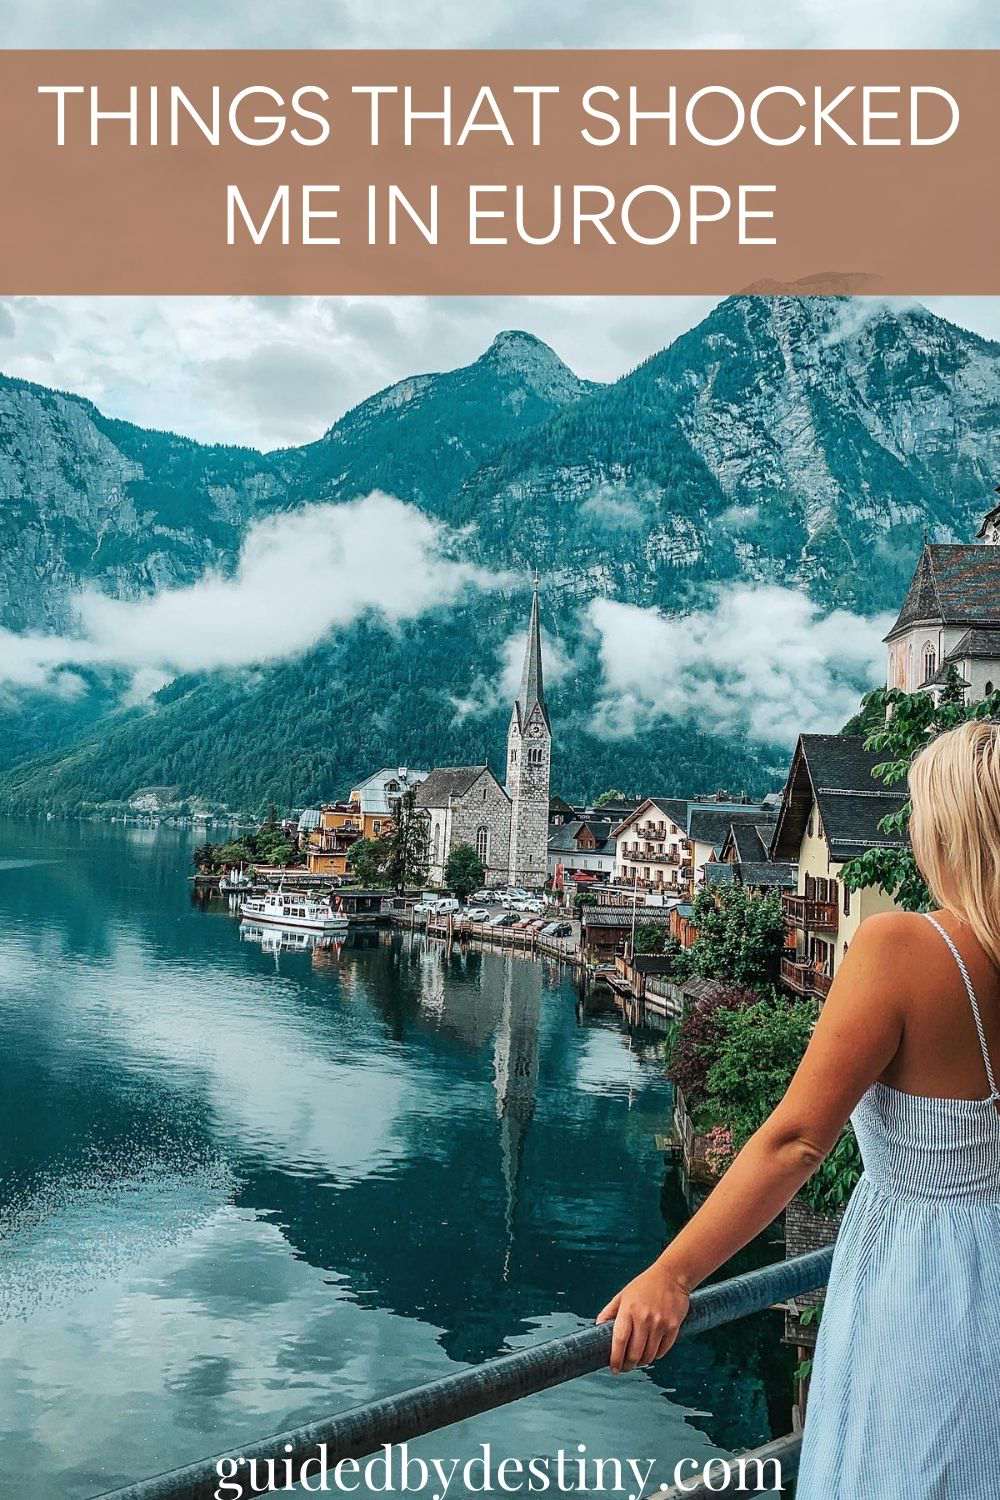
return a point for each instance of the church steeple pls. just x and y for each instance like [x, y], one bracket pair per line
[529, 746]
[532, 682]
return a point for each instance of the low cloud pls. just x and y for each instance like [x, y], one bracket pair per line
[764, 663]
[499, 688]
[299, 576]
[616, 507]
[740, 517]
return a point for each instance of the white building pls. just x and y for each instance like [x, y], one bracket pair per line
[651, 845]
[951, 617]
[379, 793]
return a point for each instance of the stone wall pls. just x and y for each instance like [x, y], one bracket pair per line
[484, 805]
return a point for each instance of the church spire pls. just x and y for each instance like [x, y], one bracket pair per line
[532, 685]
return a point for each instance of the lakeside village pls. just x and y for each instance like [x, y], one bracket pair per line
[716, 919]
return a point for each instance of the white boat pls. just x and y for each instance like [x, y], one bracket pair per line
[234, 881]
[294, 910]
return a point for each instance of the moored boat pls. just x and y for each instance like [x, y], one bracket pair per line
[293, 909]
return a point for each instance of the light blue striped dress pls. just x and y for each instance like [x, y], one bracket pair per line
[904, 1402]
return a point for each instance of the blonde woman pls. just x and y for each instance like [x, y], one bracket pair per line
[905, 1396]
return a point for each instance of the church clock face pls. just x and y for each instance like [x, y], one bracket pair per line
[534, 731]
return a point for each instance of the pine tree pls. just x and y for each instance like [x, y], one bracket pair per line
[409, 845]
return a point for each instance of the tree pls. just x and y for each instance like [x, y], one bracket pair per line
[650, 938]
[611, 795]
[904, 724]
[367, 859]
[409, 845]
[694, 1043]
[464, 871]
[755, 1050]
[740, 939]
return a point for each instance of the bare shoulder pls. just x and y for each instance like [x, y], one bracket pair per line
[888, 927]
[893, 949]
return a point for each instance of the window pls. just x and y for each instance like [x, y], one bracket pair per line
[930, 661]
[847, 901]
[392, 786]
[513, 757]
[482, 844]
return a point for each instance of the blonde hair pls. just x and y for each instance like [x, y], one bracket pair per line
[955, 825]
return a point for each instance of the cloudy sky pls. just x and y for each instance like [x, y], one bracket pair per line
[276, 371]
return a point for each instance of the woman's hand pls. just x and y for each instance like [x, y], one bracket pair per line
[648, 1314]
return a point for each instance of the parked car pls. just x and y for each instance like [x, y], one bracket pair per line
[503, 919]
[557, 929]
[480, 897]
[445, 905]
[536, 906]
[424, 908]
[477, 914]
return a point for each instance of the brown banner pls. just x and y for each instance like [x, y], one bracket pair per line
[555, 172]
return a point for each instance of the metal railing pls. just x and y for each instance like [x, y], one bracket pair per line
[363, 1430]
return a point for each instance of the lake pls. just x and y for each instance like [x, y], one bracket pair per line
[244, 1187]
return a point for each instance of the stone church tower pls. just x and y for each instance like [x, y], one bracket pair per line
[529, 749]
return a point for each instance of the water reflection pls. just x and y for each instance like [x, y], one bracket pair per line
[246, 1181]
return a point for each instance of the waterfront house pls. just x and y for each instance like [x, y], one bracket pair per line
[582, 849]
[605, 931]
[378, 797]
[951, 617]
[652, 850]
[329, 840]
[830, 812]
[708, 825]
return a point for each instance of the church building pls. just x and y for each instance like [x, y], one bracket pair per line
[507, 825]
[951, 617]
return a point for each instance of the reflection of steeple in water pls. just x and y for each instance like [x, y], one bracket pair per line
[515, 1078]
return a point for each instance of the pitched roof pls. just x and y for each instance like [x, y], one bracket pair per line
[446, 782]
[718, 874]
[978, 643]
[835, 771]
[775, 873]
[751, 840]
[562, 838]
[992, 517]
[709, 824]
[621, 916]
[956, 585]
[674, 808]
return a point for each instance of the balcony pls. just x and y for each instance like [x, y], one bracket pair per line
[638, 856]
[809, 914]
[803, 978]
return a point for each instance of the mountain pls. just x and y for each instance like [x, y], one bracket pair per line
[803, 441]
[88, 500]
[807, 442]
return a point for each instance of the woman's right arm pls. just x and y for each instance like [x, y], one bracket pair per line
[855, 1039]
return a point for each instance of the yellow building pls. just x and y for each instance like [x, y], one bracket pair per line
[830, 812]
[327, 833]
[327, 845]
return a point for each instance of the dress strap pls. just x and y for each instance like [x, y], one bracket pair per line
[973, 1001]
